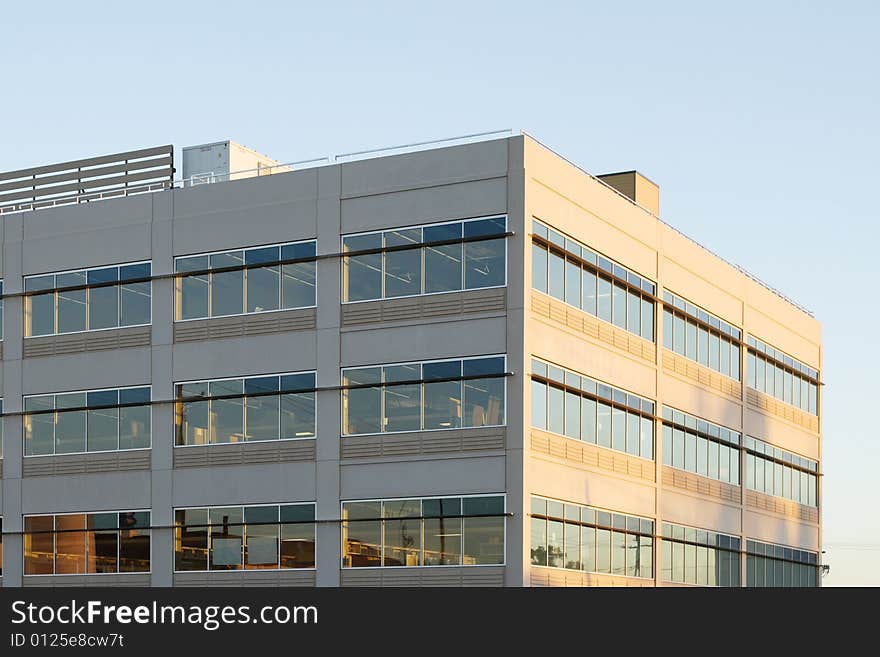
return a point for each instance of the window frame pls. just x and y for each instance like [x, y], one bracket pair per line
[504, 515]
[243, 413]
[85, 409]
[243, 527]
[84, 531]
[446, 222]
[421, 385]
[177, 276]
[54, 292]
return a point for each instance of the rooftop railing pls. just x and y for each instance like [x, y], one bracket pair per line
[34, 190]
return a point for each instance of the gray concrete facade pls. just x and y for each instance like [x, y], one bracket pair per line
[322, 203]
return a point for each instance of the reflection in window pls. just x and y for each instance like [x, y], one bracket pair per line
[276, 407]
[259, 537]
[777, 374]
[584, 538]
[449, 531]
[402, 267]
[93, 421]
[86, 543]
[700, 336]
[424, 396]
[704, 448]
[579, 407]
[697, 556]
[104, 300]
[575, 274]
[781, 473]
[245, 281]
[769, 565]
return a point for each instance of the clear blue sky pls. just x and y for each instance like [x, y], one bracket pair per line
[758, 120]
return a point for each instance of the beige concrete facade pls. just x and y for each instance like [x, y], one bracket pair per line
[564, 197]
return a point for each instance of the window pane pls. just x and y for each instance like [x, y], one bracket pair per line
[633, 313]
[618, 429]
[40, 311]
[538, 549]
[604, 298]
[677, 448]
[134, 427]
[226, 538]
[572, 415]
[403, 269]
[102, 543]
[647, 438]
[483, 398]
[588, 549]
[667, 329]
[135, 304]
[603, 551]
[70, 430]
[690, 452]
[539, 267]
[539, 405]
[618, 553]
[362, 407]
[619, 305]
[261, 537]
[403, 403]
[361, 534]
[298, 415]
[556, 274]
[191, 540]
[297, 536]
[678, 334]
[646, 557]
[134, 542]
[484, 261]
[193, 296]
[103, 425]
[604, 421]
[362, 275]
[71, 304]
[588, 420]
[588, 292]
[402, 543]
[443, 263]
[39, 429]
[483, 541]
[555, 409]
[443, 398]
[70, 546]
[103, 307]
[39, 545]
[227, 415]
[573, 283]
[647, 330]
[193, 419]
[227, 288]
[262, 414]
[572, 559]
[263, 288]
[442, 534]
[690, 340]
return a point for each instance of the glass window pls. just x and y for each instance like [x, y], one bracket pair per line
[556, 405]
[102, 543]
[39, 428]
[483, 536]
[690, 347]
[402, 538]
[103, 305]
[70, 427]
[714, 350]
[227, 287]
[556, 273]
[402, 402]
[572, 283]
[263, 283]
[483, 398]
[443, 263]
[362, 407]
[72, 303]
[442, 530]
[362, 274]
[604, 298]
[134, 541]
[403, 269]
[261, 408]
[193, 290]
[297, 536]
[298, 279]
[618, 298]
[39, 545]
[225, 538]
[647, 328]
[134, 421]
[572, 415]
[135, 298]
[191, 539]
[39, 308]
[70, 544]
[588, 420]
[539, 404]
[485, 264]
[443, 398]
[103, 423]
[678, 331]
[618, 429]
[588, 285]
[555, 541]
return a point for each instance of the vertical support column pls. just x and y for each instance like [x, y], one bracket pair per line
[658, 424]
[161, 379]
[327, 475]
[11, 503]
[517, 438]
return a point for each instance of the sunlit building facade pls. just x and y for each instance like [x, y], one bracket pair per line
[467, 364]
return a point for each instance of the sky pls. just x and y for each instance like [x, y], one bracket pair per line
[757, 119]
